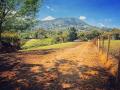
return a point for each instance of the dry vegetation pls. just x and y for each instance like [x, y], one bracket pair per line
[114, 47]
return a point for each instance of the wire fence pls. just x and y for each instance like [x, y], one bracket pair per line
[110, 46]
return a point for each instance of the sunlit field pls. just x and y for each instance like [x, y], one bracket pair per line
[34, 43]
[55, 46]
[114, 47]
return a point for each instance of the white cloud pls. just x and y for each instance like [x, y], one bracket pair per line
[101, 24]
[48, 18]
[82, 17]
[50, 8]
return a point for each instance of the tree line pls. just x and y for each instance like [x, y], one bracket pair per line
[17, 21]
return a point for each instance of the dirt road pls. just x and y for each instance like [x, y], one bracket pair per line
[75, 68]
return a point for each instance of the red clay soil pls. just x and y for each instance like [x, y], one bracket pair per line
[75, 68]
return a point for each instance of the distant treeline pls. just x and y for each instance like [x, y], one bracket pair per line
[16, 39]
[69, 34]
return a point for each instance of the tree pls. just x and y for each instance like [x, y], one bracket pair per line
[72, 34]
[65, 36]
[92, 34]
[95, 33]
[40, 34]
[116, 33]
[10, 9]
[19, 24]
[82, 36]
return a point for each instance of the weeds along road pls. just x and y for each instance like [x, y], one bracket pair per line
[75, 68]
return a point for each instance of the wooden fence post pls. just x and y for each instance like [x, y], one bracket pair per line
[98, 43]
[108, 48]
[102, 44]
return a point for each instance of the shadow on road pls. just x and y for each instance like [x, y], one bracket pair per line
[65, 75]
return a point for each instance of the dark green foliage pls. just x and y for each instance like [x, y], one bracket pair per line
[72, 34]
[82, 36]
[25, 35]
[40, 34]
[95, 33]
[10, 37]
[61, 36]
[37, 34]
[11, 10]
[29, 7]
[116, 34]
[19, 24]
[58, 36]
[92, 34]
[10, 40]
[88, 35]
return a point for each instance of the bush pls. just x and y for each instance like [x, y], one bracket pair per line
[10, 37]
[10, 40]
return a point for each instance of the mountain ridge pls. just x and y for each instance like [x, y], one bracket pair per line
[64, 23]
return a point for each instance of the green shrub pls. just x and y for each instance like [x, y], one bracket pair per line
[10, 37]
[10, 41]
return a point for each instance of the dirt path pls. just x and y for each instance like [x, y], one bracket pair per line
[76, 68]
[83, 54]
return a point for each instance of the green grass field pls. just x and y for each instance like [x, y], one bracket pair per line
[114, 47]
[32, 43]
[55, 46]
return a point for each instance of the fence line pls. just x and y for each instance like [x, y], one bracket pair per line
[103, 44]
[100, 42]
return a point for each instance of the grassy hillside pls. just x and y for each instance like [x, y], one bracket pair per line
[55, 46]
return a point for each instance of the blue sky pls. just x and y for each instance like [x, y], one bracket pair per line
[95, 12]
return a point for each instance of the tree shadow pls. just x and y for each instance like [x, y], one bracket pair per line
[86, 78]
[99, 77]
[65, 75]
[8, 61]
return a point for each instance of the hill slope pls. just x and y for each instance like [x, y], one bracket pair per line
[63, 23]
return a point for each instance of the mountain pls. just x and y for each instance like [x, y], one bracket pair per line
[64, 23]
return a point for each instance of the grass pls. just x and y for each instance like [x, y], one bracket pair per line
[114, 47]
[34, 43]
[55, 46]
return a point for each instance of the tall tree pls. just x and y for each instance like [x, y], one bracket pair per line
[17, 8]
[72, 34]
